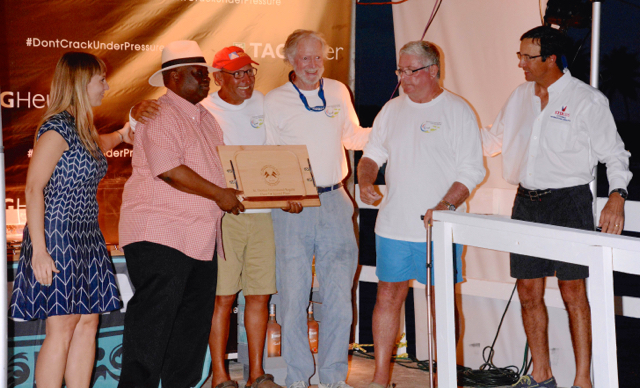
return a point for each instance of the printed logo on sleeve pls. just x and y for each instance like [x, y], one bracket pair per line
[430, 126]
[257, 121]
[562, 114]
[332, 111]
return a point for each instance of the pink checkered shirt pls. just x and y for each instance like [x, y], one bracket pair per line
[183, 134]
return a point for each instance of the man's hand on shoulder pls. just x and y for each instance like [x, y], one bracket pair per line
[612, 215]
[145, 110]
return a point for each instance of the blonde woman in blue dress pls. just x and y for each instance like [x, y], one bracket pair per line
[65, 274]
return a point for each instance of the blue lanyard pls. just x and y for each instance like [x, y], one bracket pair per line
[304, 99]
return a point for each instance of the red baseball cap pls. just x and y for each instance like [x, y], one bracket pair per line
[232, 58]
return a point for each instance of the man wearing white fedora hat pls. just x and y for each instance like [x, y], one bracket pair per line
[172, 206]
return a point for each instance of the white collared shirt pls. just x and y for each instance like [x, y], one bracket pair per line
[560, 145]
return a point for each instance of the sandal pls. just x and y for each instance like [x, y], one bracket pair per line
[227, 384]
[264, 381]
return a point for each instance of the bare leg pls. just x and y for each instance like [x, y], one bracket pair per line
[536, 325]
[82, 352]
[256, 315]
[219, 337]
[574, 295]
[386, 322]
[52, 359]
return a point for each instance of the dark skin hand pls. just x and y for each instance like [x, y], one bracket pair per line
[186, 180]
[293, 207]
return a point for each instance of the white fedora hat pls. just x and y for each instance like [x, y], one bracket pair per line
[177, 54]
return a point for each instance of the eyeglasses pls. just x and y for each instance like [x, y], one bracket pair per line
[240, 73]
[527, 57]
[410, 72]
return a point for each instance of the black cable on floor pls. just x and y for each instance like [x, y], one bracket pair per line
[488, 375]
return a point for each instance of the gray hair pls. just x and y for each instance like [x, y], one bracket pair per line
[425, 50]
[291, 46]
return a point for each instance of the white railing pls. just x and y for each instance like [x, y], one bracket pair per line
[603, 253]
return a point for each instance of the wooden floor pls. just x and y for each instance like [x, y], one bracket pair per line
[360, 374]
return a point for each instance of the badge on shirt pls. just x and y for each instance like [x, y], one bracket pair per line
[562, 114]
[257, 121]
[332, 111]
[430, 126]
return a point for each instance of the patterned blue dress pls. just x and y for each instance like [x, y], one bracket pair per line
[86, 283]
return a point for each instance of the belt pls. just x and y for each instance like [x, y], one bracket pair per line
[326, 189]
[534, 195]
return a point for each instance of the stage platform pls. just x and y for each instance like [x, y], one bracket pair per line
[360, 373]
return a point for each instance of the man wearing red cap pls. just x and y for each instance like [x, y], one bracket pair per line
[247, 238]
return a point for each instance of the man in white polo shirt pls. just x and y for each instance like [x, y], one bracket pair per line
[317, 112]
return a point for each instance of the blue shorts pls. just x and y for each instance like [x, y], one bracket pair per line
[398, 261]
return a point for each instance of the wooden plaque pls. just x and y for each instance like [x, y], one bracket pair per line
[269, 176]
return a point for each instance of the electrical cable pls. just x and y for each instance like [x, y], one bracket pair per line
[540, 9]
[580, 47]
[382, 3]
[489, 375]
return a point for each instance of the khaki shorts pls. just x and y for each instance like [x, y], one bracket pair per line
[250, 252]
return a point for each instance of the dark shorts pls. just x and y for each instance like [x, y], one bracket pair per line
[570, 207]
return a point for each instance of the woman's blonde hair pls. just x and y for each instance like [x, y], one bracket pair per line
[69, 92]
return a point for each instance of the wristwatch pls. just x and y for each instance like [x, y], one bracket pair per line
[450, 206]
[623, 193]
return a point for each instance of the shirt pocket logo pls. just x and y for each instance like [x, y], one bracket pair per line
[332, 111]
[430, 126]
[257, 121]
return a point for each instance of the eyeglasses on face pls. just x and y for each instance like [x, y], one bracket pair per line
[240, 73]
[527, 57]
[410, 72]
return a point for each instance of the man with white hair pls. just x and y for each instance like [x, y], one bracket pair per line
[429, 138]
[318, 113]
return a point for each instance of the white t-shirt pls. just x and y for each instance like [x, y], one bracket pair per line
[427, 147]
[241, 124]
[325, 133]
[560, 145]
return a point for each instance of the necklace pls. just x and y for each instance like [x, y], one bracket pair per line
[304, 99]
